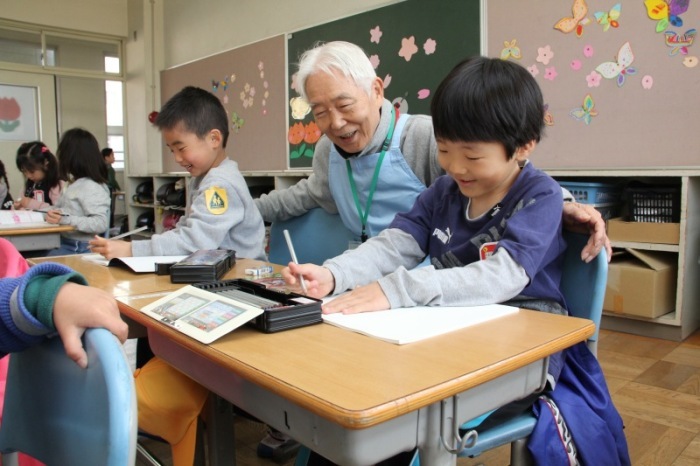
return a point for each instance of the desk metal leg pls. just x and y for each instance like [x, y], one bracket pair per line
[220, 432]
[432, 451]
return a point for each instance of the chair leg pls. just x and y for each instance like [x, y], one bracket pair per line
[519, 454]
[200, 448]
[142, 452]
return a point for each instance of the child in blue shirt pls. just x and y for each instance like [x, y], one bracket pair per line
[491, 225]
[50, 298]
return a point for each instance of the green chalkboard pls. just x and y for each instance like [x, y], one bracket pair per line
[440, 33]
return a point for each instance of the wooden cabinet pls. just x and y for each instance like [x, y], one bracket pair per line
[680, 323]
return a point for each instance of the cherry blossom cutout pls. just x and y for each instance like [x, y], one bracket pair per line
[647, 82]
[429, 46]
[550, 73]
[690, 62]
[588, 51]
[375, 34]
[387, 80]
[408, 48]
[293, 84]
[575, 65]
[593, 79]
[545, 54]
[374, 60]
[534, 71]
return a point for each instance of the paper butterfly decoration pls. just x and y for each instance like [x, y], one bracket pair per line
[680, 42]
[548, 118]
[619, 68]
[585, 112]
[609, 18]
[236, 121]
[666, 11]
[510, 49]
[577, 21]
[216, 84]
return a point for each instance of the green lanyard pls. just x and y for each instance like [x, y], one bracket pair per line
[375, 177]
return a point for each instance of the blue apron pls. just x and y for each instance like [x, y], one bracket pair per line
[397, 186]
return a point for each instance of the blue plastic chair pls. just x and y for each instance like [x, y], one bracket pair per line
[583, 287]
[317, 236]
[61, 414]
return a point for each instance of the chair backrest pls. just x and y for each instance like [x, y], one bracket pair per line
[317, 236]
[583, 284]
[62, 414]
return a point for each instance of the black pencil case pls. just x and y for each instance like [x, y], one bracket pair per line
[205, 265]
[283, 311]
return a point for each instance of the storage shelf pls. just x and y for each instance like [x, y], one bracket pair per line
[685, 317]
[646, 246]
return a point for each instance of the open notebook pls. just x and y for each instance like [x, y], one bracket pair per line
[408, 325]
[22, 219]
[144, 264]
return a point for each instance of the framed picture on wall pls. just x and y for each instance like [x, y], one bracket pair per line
[19, 114]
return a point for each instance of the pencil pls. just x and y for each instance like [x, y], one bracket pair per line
[46, 212]
[129, 233]
[294, 257]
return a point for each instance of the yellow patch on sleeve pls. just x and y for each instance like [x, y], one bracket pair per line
[216, 199]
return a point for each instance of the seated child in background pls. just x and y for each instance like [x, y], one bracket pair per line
[39, 166]
[6, 202]
[491, 226]
[50, 298]
[221, 216]
[85, 201]
[221, 213]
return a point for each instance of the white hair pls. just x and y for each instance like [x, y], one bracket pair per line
[343, 57]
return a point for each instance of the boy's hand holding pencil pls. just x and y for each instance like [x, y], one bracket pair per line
[111, 248]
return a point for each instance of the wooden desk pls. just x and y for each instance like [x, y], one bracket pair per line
[352, 398]
[35, 237]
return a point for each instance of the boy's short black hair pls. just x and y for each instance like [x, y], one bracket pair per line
[488, 100]
[107, 151]
[199, 111]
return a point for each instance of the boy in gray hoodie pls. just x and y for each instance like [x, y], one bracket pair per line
[221, 213]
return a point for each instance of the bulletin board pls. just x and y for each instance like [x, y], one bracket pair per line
[621, 80]
[250, 81]
[412, 45]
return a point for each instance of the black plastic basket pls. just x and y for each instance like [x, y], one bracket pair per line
[653, 204]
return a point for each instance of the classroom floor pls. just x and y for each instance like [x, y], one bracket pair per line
[655, 385]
